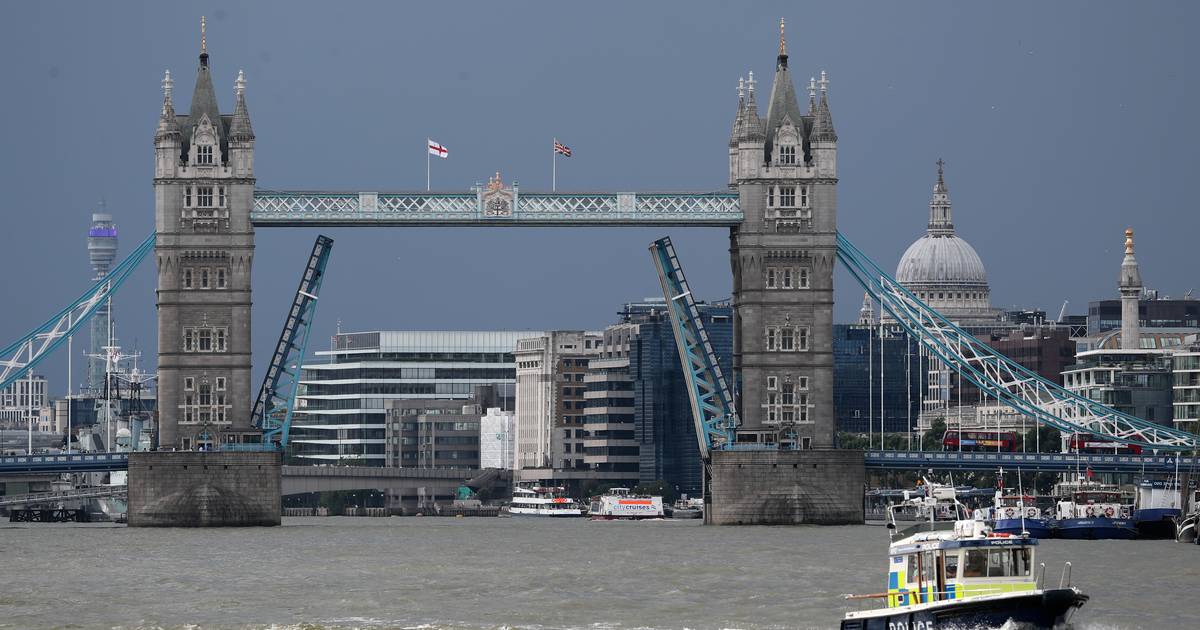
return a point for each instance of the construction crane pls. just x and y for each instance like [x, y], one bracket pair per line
[276, 400]
[1062, 313]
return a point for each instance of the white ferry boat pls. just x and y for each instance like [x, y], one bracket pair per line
[543, 501]
[620, 503]
[967, 577]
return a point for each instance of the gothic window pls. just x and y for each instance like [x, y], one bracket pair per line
[804, 197]
[787, 196]
[772, 382]
[220, 196]
[189, 340]
[787, 277]
[187, 196]
[204, 196]
[204, 338]
[771, 277]
[220, 382]
[189, 383]
[787, 154]
[802, 277]
[204, 277]
[204, 154]
[802, 404]
[772, 334]
[187, 277]
[220, 277]
[787, 339]
[205, 397]
[802, 339]
[770, 196]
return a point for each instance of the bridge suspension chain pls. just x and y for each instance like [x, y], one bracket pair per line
[1000, 377]
[24, 354]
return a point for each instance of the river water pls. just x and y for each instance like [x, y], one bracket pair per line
[435, 573]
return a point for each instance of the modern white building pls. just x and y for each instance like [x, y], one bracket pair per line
[342, 406]
[497, 436]
[550, 388]
[1186, 389]
[16, 404]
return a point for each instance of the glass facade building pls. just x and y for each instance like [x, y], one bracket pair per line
[663, 427]
[342, 404]
[1152, 313]
[866, 375]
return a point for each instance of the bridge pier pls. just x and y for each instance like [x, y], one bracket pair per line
[204, 489]
[787, 487]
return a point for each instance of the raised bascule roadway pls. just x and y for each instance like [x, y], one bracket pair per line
[767, 440]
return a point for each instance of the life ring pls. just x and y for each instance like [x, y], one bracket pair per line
[1031, 512]
[1009, 513]
[1091, 511]
[1108, 511]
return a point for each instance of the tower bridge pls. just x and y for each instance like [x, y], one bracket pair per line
[775, 464]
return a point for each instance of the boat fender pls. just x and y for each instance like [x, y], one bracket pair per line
[1009, 513]
[1108, 511]
[1031, 512]
[1091, 511]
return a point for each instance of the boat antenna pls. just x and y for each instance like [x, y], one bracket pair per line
[1021, 501]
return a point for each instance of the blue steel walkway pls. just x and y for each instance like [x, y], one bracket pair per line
[63, 463]
[1040, 462]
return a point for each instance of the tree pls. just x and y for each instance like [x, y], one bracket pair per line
[931, 440]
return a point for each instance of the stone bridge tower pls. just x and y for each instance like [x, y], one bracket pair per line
[785, 171]
[203, 193]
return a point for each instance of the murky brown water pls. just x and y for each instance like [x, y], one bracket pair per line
[512, 573]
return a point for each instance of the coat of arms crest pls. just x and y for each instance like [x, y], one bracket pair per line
[497, 200]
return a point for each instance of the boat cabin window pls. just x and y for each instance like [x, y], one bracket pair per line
[920, 565]
[997, 562]
[951, 566]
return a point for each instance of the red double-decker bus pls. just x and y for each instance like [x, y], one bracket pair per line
[1088, 443]
[980, 440]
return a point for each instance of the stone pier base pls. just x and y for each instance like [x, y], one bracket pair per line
[193, 489]
[817, 487]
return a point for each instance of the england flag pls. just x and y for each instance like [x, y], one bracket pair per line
[437, 149]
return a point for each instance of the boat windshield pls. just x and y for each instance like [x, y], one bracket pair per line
[998, 562]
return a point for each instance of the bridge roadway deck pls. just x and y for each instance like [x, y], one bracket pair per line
[1038, 462]
[302, 479]
[46, 498]
[479, 208]
[64, 463]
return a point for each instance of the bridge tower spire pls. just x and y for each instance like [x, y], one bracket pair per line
[782, 257]
[204, 246]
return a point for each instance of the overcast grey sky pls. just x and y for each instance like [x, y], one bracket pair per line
[1061, 124]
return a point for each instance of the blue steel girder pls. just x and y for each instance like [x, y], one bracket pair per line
[24, 354]
[1000, 377]
[274, 407]
[713, 409]
[1029, 462]
[300, 209]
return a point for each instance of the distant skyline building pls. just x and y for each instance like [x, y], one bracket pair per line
[16, 406]
[102, 251]
[497, 437]
[341, 408]
[549, 407]
[879, 376]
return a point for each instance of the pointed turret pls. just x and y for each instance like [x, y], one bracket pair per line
[783, 105]
[866, 315]
[941, 221]
[204, 98]
[239, 128]
[1130, 285]
[822, 130]
[753, 124]
[168, 126]
[739, 119]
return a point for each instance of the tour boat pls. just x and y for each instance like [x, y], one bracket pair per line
[966, 577]
[1091, 510]
[1157, 507]
[688, 508]
[543, 501]
[620, 503]
[1015, 514]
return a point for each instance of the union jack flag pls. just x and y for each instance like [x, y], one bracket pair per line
[562, 148]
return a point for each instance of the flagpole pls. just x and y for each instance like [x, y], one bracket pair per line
[553, 165]
[427, 141]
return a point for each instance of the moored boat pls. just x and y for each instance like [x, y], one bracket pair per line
[621, 504]
[1089, 510]
[1016, 513]
[543, 501]
[1157, 507]
[966, 577]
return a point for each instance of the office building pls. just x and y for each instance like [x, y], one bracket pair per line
[549, 406]
[497, 439]
[341, 408]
